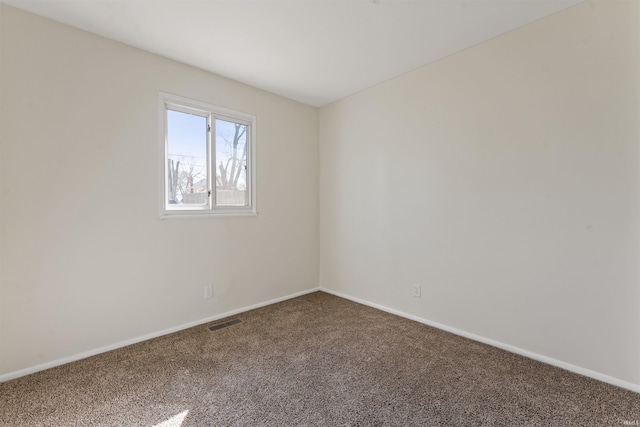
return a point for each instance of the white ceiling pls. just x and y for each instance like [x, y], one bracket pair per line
[313, 51]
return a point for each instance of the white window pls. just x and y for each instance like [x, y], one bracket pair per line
[208, 159]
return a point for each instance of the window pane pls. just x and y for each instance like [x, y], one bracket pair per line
[187, 182]
[231, 164]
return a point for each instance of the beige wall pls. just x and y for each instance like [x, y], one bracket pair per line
[504, 180]
[88, 263]
[1, 222]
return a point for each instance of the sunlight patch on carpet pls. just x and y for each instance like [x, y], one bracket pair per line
[175, 421]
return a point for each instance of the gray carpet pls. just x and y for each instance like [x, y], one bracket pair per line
[317, 360]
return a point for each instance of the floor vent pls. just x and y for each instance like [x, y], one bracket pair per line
[225, 324]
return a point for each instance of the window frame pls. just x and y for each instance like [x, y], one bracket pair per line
[211, 113]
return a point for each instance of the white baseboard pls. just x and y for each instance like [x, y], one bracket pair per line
[84, 355]
[531, 355]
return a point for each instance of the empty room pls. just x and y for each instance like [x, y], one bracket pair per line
[319, 213]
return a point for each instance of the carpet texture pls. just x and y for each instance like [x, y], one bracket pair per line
[316, 360]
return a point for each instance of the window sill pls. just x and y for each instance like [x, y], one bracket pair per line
[207, 214]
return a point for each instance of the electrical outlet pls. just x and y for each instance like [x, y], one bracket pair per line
[417, 291]
[208, 291]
